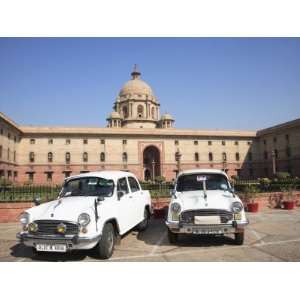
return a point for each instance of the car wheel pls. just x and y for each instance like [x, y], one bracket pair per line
[172, 237]
[106, 245]
[144, 224]
[239, 238]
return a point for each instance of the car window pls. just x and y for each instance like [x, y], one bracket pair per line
[88, 186]
[122, 185]
[134, 186]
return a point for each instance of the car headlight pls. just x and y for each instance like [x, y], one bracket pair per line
[237, 207]
[32, 227]
[84, 219]
[175, 207]
[24, 218]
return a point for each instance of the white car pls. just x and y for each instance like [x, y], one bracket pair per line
[92, 211]
[203, 202]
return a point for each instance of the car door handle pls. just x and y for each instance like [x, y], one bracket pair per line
[130, 197]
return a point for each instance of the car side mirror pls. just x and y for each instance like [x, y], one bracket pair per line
[120, 194]
[100, 199]
[37, 200]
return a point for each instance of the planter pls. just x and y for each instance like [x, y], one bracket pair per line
[288, 205]
[252, 207]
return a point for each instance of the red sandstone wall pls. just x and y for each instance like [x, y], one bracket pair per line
[9, 212]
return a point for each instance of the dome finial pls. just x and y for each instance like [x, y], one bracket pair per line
[135, 73]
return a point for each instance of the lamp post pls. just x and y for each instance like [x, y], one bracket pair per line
[178, 159]
[274, 162]
[153, 169]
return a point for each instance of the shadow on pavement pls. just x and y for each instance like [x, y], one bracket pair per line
[157, 229]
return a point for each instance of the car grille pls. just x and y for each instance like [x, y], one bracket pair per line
[50, 227]
[188, 216]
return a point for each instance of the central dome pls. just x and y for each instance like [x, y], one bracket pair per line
[136, 87]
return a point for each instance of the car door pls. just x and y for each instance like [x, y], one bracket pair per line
[137, 199]
[125, 206]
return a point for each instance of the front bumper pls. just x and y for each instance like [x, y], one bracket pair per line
[233, 227]
[73, 242]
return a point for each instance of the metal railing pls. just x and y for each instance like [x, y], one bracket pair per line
[157, 190]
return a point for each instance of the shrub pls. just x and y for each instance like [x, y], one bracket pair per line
[250, 192]
[5, 182]
[160, 179]
[282, 175]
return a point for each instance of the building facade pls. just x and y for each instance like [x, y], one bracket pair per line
[141, 140]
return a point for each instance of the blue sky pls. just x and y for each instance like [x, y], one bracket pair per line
[214, 83]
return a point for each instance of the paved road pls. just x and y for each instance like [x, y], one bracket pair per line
[273, 235]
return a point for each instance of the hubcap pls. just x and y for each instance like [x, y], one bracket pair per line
[110, 240]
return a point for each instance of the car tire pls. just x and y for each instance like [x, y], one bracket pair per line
[172, 237]
[144, 224]
[239, 238]
[106, 245]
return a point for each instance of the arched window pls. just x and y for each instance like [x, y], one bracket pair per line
[50, 157]
[210, 156]
[224, 156]
[237, 156]
[153, 113]
[125, 112]
[68, 157]
[102, 156]
[140, 111]
[196, 156]
[124, 157]
[85, 157]
[31, 156]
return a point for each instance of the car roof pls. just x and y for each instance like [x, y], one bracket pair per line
[207, 171]
[115, 175]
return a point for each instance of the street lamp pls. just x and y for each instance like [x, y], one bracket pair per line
[273, 154]
[153, 169]
[178, 158]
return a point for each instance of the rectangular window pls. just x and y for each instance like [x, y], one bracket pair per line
[236, 143]
[265, 142]
[85, 141]
[67, 174]
[287, 137]
[15, 156]
[50, 141]
[32, 141]
[195, 143]
[209, 143]
[176, 143]
[30, 177]
[15, 174]
[1, 131]
[68, 141]
[223, 143]
[249, 143]
[124, 142]
[102, 142]
[49, 176]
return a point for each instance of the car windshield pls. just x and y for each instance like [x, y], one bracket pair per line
[194, 182]
[88, 186]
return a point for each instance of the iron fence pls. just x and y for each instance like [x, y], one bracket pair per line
[157, 190]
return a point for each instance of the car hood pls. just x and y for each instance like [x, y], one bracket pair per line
[214, 200]
[67, 208]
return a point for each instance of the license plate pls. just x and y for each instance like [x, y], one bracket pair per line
[51, 247]
[208, 231]
[203, 220]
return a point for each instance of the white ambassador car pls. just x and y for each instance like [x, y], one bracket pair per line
[203, 202]
[92, 211]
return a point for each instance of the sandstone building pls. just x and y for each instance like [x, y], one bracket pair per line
[139, 139]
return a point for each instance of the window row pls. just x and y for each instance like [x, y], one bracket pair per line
[286, 137]
[85, 157]
[176, 142]
[9, 135]
[211, 156]
[68, 141]
[9, 154]
[275, 153]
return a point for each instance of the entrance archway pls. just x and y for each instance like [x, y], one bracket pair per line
[151, 160]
